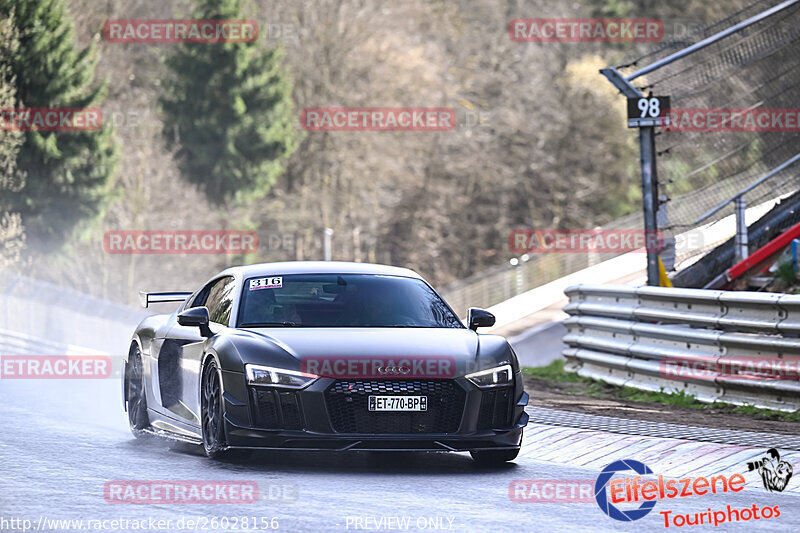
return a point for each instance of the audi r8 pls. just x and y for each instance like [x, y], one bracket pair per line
[323, 356]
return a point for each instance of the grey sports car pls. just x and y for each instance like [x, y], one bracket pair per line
[323, 356]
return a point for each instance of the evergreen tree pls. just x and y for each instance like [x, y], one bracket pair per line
[10, 140]
[67, 172]
[229, 108]
[12, 236]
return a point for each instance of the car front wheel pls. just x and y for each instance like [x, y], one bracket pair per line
[211, 409]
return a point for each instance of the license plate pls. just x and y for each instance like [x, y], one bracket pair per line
[398, 403]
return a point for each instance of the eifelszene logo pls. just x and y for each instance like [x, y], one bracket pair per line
[638, 488]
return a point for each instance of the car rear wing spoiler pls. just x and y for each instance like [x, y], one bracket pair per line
[147, 298]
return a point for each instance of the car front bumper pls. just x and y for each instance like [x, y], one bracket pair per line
[309, 419]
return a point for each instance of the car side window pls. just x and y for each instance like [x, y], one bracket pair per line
[220, 300]
[191, 301]
[202, 295]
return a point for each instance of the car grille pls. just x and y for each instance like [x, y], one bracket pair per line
[347, 406]
[274, 409]
[496, 409]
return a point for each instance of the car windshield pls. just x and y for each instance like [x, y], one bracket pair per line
[343, 300]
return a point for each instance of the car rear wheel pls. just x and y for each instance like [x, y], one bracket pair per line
[137, 401]
[494, 457]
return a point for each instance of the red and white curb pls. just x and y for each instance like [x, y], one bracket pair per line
[674, 458]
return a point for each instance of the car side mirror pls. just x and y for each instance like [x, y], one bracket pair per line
[479, 318]
[196, 316]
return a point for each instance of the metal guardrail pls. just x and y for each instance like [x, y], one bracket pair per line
[647, 337]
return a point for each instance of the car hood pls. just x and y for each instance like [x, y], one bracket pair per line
[297, 348]
[460, 344]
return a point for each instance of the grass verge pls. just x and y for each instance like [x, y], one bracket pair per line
[580, 386]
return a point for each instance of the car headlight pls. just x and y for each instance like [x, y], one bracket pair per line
[277, 377]
[492, 377]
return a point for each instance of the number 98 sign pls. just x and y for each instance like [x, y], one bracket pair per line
[648, 111]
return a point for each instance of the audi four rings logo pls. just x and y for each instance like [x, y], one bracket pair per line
[396, 370]
[601, 496]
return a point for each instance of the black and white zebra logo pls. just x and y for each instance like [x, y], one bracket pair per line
[774, 473]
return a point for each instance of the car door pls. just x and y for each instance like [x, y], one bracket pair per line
[184, 347]
[157, 368]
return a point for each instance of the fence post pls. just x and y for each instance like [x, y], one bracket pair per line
[326, 243]
[741, 244]
[647, 158]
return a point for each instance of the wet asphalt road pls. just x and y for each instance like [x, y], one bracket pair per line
[62, 441]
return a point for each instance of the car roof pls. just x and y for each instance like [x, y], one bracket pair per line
[317, 267]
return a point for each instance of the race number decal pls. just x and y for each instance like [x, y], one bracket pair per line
[266, 283]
